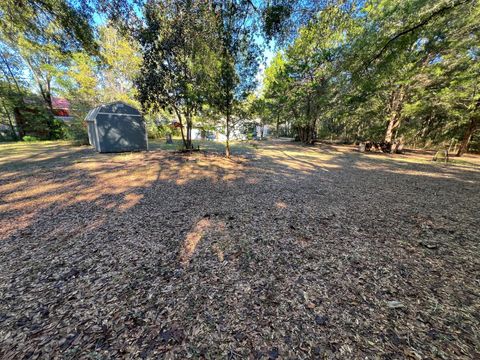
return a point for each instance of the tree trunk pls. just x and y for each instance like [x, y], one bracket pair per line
[313, 130]
[189, 133]
[49, 95]
[277, 126]
[227, 144]
[392, 125]
[11, 75]
[10, 123]
[306, 133]
[396, 104]
[188, 116]
[467, 136]
[20, 121]
[179, 117]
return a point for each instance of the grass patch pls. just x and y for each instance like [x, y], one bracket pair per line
[237, 147]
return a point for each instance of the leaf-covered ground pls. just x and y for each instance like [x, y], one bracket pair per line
[286, 252]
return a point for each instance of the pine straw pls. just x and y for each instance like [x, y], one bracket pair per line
[296, 253]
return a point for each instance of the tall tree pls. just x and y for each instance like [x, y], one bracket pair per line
[32, 17]
[383, 69]
[121, 60]
[237, 55]
[177, 59]
[275, 89]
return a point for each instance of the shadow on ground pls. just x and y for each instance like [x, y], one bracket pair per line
[296, 252]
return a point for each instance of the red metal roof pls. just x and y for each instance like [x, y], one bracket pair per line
[60, 103]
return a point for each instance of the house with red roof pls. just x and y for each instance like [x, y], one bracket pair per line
[61, 109]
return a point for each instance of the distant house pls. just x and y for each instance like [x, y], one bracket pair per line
[237, 132]
[61, 109]
[262, 131]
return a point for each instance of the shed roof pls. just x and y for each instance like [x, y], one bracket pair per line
[116, 107]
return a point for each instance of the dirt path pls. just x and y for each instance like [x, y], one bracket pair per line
[297, 252]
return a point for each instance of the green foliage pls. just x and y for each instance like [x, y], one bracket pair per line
[177, 59]
[275, 16]
[76, 131]
[157, 130]
[52, 47]
[236, 53]
[91, 81]
[120, 66]
[32, 17]
[383, 70]
[29, 138]
[352, 70]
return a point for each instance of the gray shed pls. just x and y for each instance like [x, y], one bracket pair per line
[116, 127]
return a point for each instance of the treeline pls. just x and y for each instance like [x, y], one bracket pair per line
[354, 70]
[52, 49]
[405, 71]
[192, 60]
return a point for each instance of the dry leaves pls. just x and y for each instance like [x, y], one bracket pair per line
[300, 252]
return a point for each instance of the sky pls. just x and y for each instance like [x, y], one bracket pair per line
[268, 55]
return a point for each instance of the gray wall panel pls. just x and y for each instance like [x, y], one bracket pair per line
[121, 133]
[116, 127]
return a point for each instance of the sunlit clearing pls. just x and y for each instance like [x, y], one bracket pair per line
[192, 239]
[130, 200]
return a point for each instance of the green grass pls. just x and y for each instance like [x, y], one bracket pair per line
[237, 147]
[19, 152]
[26, 148]
[457, 161]
[20, 155]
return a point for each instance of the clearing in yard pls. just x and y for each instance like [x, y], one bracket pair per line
[283, 252]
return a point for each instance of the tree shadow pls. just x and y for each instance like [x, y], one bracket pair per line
[296, 249]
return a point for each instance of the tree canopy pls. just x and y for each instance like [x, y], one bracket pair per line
[379, 70]
[382, 70]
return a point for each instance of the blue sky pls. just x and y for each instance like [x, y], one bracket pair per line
[268, 54]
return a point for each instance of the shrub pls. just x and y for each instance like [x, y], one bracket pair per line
[76, 131]
[29, 138]
[160, 131]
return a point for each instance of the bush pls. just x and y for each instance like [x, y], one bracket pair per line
[28, 138]
[160, 131]
[76, 131]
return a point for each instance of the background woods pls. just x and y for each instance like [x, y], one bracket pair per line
[378, 70]
[302, 246]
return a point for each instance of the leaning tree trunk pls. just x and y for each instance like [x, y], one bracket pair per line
[20, 121]
[393, 124]
[467, 136]
[179, 117]
[10, 123]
